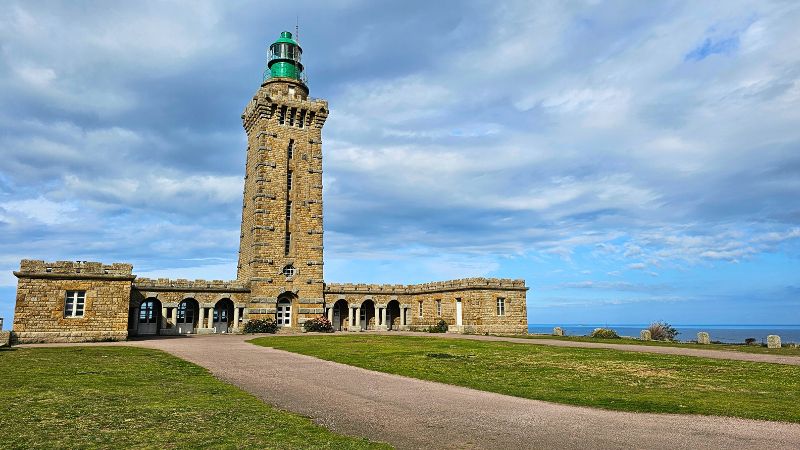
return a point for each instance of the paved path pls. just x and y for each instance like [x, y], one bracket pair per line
[411, 413]
[714, 354]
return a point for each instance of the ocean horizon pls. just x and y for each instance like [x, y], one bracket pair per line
[726, 333]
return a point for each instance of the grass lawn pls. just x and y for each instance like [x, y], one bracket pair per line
[783, 351]
[610, 379]
[126, 397]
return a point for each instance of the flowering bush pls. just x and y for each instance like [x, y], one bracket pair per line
[662, 331]
[319, 324]
[604, 333]
[260, 326]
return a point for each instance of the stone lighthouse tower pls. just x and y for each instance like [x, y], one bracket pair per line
[280, 252]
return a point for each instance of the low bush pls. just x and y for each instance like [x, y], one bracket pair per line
[319, 324]
[750, 341]
[260, 326]
[662, 331]
[440, 327]
[604, 333]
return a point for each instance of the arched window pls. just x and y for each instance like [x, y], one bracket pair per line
[186, 311]
[289, 271]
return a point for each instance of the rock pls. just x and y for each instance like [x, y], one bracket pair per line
[703, 338]
[773, 341]
[645, 335]
[557, 331]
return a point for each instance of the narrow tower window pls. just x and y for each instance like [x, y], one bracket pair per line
[292, 112]
[288, 243]
[288, 211]
[301, 122]
[289, 180]
[282, 115]
[438, 307]
[290, 149]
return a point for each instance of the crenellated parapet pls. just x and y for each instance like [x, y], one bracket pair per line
[180, 284]
[436, 286]
[36, 268]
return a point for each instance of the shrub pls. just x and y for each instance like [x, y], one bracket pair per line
[604, 333]
[319, 324]
[260, 326]
[750, 341]
[440, 327]
[662, 331]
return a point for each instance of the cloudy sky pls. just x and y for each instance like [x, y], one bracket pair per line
[632, 161]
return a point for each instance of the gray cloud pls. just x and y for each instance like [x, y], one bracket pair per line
[458, 130]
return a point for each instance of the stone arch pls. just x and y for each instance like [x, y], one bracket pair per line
[187, 315]
[148, 317]
[367, 311]
[286, 309]
[223, 315]
[341, 315]
[393, 315]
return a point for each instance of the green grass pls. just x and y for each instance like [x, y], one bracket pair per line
[783, 351]
[126, 397]
[611, 379]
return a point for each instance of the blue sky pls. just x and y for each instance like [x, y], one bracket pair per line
[632, 161]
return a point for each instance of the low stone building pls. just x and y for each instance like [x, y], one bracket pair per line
[279, 274]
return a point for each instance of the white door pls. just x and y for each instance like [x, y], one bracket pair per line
[459, 313]
[284, 314]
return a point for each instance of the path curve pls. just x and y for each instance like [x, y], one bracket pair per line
[410, 413]
[713, 354]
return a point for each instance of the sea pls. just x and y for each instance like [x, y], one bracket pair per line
[729, 334]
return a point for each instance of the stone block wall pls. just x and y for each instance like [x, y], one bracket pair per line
[41, 294]
[170, 293]
[280, 116]
[478, 300]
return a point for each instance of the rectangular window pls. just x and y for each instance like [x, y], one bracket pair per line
[289, 180]
[501, 306]
[302, 120]
[290, 149]
[282, 115]
[292, 112]
[420, 308]
[438, 307]
[288, 243]
[288, 211]
[73, 303]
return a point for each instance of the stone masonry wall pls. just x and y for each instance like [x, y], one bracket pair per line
[41, 293]
[170, 293]
[478, 299]
[281, 115]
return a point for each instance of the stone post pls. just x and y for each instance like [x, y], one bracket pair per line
[175, 317]
[235, 317]
[557, 331]
[202, 317]
[403, 315]
[645, 335]
[330, 314]
[162, 323]
[358, 318]
[703, 338]
[210, 317]
[773, 341]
